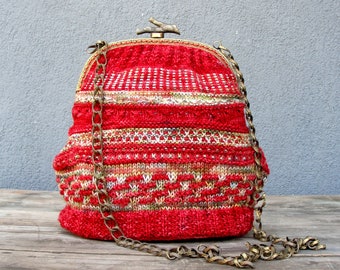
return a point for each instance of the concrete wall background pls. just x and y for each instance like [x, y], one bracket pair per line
[288, 51]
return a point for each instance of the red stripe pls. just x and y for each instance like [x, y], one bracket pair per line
[162, 224]
[220, 117]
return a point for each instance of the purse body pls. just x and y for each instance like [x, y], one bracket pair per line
[178, 157]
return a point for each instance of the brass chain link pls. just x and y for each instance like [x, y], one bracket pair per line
[210, 253]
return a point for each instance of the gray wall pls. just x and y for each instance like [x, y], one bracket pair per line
[287, 50]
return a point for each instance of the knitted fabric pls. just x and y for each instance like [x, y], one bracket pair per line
[177, 154]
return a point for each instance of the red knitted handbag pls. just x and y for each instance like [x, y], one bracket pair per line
[163, 147]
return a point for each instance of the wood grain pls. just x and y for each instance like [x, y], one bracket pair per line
[31, 238]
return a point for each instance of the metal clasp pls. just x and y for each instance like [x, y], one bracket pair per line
[218, 45]
[159, 30]
[95, 47]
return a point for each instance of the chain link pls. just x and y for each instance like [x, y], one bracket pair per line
[99, 180]
[210, 253]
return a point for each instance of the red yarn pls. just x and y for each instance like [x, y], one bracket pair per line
[228, 118]
[162, 67]
[162, 224]
[177, 154]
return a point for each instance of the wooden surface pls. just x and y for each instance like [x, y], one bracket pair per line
[30, 236]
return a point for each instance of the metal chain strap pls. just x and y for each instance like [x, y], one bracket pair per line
[210, 253]
[97, 139]
[259, 196]
[290, 246]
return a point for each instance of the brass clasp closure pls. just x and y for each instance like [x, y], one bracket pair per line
[159, 30]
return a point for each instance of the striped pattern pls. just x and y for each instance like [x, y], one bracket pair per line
[175, 143]
[160, 79]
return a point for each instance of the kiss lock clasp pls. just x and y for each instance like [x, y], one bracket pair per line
[158, 30]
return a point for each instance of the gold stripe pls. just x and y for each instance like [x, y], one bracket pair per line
[152, 168]
[153, 206]
[159, 97]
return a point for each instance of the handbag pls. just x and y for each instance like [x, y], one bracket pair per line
[163, 148]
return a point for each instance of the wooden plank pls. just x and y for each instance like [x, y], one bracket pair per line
[33, 260]
[31, 238]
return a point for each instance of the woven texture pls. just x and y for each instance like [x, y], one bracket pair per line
[177, 153]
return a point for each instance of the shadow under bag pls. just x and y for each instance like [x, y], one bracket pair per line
[163, 148]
